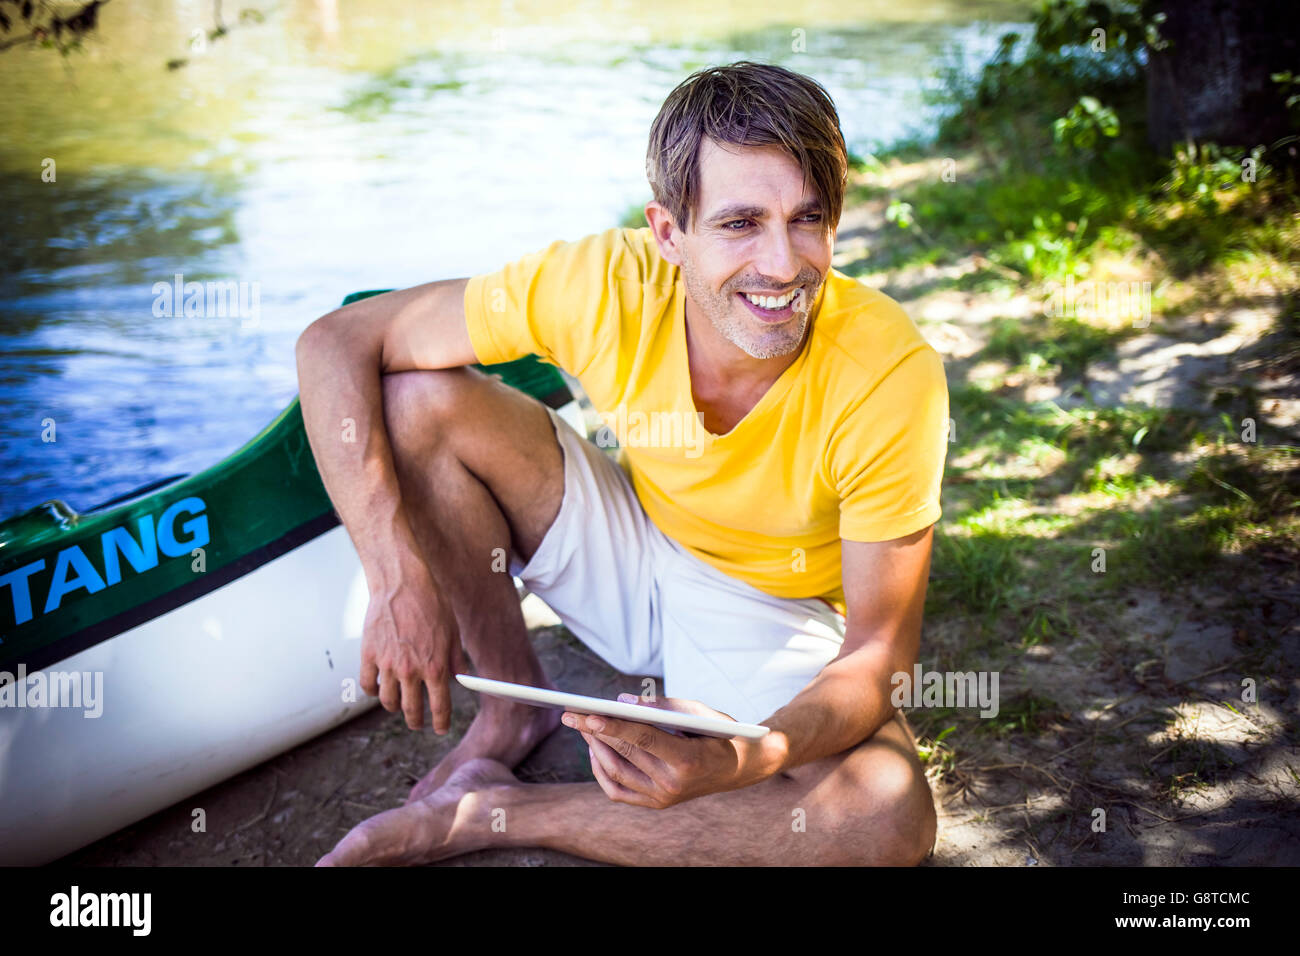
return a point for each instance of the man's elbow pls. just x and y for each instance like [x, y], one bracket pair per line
[315, 340]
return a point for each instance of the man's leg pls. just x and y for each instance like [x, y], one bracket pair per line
[479, 469]
[868, 805]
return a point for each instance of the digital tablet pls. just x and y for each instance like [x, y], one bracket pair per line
[642, 713]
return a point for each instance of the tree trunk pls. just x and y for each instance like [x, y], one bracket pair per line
[1211, 83]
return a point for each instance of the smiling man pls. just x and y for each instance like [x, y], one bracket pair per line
[773, 572]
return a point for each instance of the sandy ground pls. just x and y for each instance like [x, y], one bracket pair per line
[1163, 705]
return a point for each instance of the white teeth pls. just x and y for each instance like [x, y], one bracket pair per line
[771, 302]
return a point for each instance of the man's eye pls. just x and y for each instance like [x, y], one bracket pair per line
[812, 217]
[742, 223]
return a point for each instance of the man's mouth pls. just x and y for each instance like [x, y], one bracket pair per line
[773, 308]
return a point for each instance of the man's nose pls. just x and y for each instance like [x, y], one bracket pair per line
[777, 260]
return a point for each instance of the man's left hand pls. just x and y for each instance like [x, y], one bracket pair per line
[642, 765]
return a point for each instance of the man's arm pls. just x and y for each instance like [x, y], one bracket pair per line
[846, 703]
[410, 633]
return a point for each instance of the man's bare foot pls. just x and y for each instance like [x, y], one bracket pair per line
[442, 825]
[506, 733]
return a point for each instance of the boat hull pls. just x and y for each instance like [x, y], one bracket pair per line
[186, 700]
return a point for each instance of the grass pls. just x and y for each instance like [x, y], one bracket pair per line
[1023, 713]
[1034, 489]
[1063, 346]
[1035, 493]
[1061, 517]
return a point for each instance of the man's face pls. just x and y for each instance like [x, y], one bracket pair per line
[755, 234]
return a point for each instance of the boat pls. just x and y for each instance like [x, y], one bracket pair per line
[170, 638]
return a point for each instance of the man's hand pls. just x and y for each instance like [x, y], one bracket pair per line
[411, 642]
[410, 637]
[644, 766]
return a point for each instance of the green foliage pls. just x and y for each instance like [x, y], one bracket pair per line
[1058, 120]
[1289, 86]
[1065, 344]
[1086, 126]
[1205, 209]
[1050, 249]
[977, 572]
[937, 754]
[864, 164]
[1044, 77]
[1262, 483]
[1061, 129]
[1198, 172]
[900, 214]
[634, 217]
[1125, 27]
[1025, 713]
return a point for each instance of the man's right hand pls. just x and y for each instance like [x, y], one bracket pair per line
[410, 643]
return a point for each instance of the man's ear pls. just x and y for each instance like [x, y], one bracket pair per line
[665, 231]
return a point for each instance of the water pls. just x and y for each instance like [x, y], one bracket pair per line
[325, 150]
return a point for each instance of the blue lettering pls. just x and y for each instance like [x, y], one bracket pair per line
[87, 577]
[17, 579]
[196, 528]
[73, 570]
[141, 557]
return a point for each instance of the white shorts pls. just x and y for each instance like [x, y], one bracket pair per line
[649, 607]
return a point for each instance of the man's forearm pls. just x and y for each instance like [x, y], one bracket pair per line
[410, 641]
[341, 394]
[844, 705]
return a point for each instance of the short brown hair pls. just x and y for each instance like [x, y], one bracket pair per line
[746, 104]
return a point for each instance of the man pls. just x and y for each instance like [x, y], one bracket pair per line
[768, 558]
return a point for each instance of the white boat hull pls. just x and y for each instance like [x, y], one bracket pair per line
[188, 699]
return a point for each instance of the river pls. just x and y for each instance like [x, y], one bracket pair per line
[318, 148]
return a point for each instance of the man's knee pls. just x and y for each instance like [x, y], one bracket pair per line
[884, 813]
[450, 425]
[908, 822]
[419, 394]
[423, 408]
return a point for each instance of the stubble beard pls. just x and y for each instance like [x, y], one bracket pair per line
[748, 336]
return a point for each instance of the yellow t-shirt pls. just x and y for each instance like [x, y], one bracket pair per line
[848, 443]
